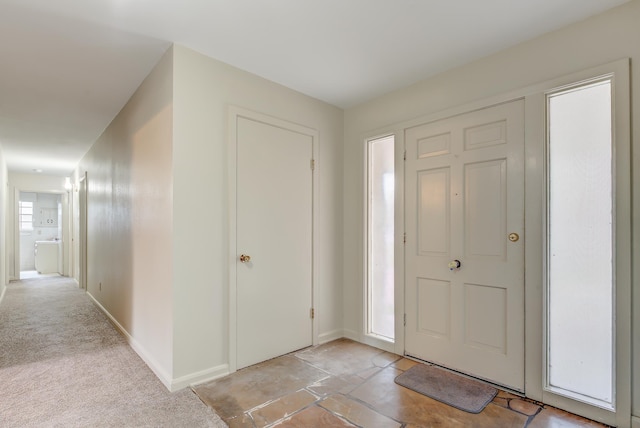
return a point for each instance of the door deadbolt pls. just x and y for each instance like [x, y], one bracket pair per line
[244, 258]
[513, 237]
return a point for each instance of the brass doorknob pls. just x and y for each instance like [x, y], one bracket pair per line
[454, 265]
[244, 258]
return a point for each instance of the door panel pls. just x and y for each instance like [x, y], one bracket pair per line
[485, 209]
[274, 227]
[434, 302]
[434, 211]
[464, 188]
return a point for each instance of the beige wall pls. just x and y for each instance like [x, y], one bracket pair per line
[158, 204]
[129, 221]
[599, 40]
[204, 89]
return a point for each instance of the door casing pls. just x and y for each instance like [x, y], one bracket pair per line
[534, 161]
[233, 114]
[82, 230]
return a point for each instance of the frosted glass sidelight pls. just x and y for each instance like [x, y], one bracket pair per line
[381, 236]
[580, 245]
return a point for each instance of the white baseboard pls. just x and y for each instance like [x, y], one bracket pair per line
[139, 349]
[369, 340]
[171, 384]
[378, 343]
[4, 289]
[635, 421]
[200, 377]
[353, 335]
[330, 335]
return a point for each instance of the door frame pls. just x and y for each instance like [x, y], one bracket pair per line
[535, 194]
[82, 230]
[535, 224]
[65, 253]
[234, 113]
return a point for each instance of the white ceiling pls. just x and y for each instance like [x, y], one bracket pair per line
[68, 66]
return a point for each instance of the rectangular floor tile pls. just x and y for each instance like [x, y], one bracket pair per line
[314, 417]
[245, 389]
[282, 408]
[357, 413]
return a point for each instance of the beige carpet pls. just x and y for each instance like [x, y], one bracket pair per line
[62, 364]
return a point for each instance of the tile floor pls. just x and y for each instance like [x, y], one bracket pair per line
[346, 384]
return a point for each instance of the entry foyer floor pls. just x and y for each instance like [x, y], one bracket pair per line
[346, 384]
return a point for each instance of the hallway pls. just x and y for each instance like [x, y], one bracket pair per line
[62, 363]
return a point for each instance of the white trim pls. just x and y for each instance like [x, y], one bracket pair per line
[202, 376]
[4, 290]
[352, 335]
[400, 246]
[330, 336]
[171, 384]
[234, 113]
[376, 342]
[549, 94]
[533, 220]
[164, 377]
[369, 338]
[16, 234]
[231, 256]
[83, 231]
[535, 263]
[397, 345]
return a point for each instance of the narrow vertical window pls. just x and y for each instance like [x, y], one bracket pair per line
[580, 243]
[25, 215]
[380, 218]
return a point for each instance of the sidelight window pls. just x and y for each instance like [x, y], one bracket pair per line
[580, 244]
[380, 237]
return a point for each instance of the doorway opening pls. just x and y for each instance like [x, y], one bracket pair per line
[40, 231]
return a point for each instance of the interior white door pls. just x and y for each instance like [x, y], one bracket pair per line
[464, 184]
[274, 228]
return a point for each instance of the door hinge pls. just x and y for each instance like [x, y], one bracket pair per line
[313, 164]
[404, 238]
[405, 155]
[313, 313]
[405, 320]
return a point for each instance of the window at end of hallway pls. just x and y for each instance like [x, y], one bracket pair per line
[25, 216]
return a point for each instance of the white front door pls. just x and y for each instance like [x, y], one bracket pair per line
[274, 190]
[464, 184]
